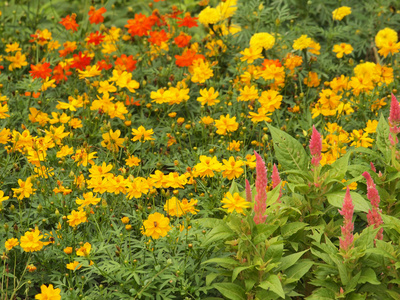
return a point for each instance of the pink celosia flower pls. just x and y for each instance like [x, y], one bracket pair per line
[373, 167]
[315, 147]
[276, 179]
[346, 240]
[249, 196]
[394, 115]
[261, 184]
[374, 217]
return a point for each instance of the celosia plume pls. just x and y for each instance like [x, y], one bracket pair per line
[276, 180]
[346, 240]
[261, 185]
[394, 115]
[315, 147]
[374, 217]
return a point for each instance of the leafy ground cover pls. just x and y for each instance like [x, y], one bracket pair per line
[199, 150]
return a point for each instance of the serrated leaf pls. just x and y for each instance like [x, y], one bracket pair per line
[230, 290]
[289, 152]
[336, 199]
[382, 138]
[272, 283]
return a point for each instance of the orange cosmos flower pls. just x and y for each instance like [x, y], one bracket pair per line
[69, 22]
[40, 70]
[96, 16]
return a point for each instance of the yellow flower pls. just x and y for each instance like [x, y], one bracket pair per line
[156, 226]
[226, 124]
[341, 12]
[88, 200]
[209, 16]
[48, 293]
[90, 71]
[132, 161]
[371, 126]
[31, 241]
[251, 54]
[248, 93]
[234, 146]
[235, 202]
[360, 139]
[207, 166]
[11, 243]
[68, 250]
[25, 189]
[84, 250]
[74, 266]
[112, 141]
[13, 47]
[142, 135]
[232, 169]
[303, 42]
[173, 207]
[262, 40]
[312, 79]
[125, 220]
[208, 97]
[342, 49]
[2, 197]
[201, 71]
[384, 36]
[17, 62]
[76, 218]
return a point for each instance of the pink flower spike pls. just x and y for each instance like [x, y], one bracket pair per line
[347, 211]
[276, 180]
[315, 147]
[394, 115]
[249, 196]
[261, 185]
[373, 167]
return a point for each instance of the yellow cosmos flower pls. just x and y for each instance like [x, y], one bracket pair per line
[156, 226]
[142, 135]
[48, 293]
[235, 203]
[31, 241]
[342, 49]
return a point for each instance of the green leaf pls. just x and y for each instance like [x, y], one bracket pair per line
[273, 284]
[291, 228]
[336, 199]
[221, 261]
[289, 152]
[234, 188]
[237, 271]
[264, 232]
[297, 271]
[290, 260]
[368, 275]
[219, 233]
[339, 167]
[322, 294]
[230, 290]
[382, 138]
[210, 278]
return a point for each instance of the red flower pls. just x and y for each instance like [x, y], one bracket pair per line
[40, 70]
[157, 37]
[182, 40]
[95, 38]
[188, 21]
[80, 61]
[187, 58]
[69, 22]
[139, 25]
[103, 65]
[127, 62]
[96, 16]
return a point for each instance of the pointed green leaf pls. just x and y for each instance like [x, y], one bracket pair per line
[290, 260]
[289, 152]
[291, 228]
[368, 275]
[382, 138]
[237, 271]
[272, 283]
[297, 271]
[336, 199]
[230, 290]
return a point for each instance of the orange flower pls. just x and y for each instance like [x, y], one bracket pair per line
[187, 21]
[182, 40]
[126, 63]
[139, 25]
[187, 58]
[158, 37]
[96, 16]
[40, 70]
[69, 22]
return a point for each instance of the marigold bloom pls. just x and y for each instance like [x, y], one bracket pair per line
[235, 203]
[156, 226]
[384, 36]
[69, 22]
[31, 241]
[96, 16]
[226, 124]
[341, 12]
[201, 71]
[209, 16]
[303, 42]
[262, 40]
[48, 293]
